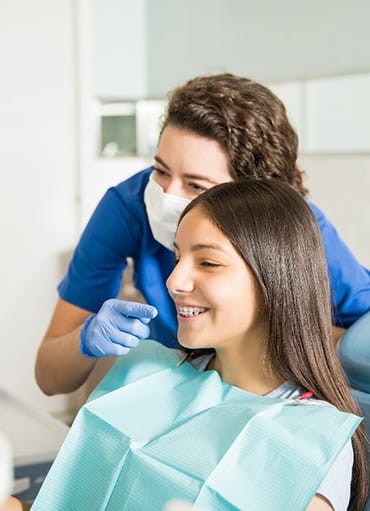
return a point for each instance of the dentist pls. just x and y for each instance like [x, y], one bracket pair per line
[217, 128]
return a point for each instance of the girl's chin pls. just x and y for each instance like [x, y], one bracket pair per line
[191, 345]
[187, 345]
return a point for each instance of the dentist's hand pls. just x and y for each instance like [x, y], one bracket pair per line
[116, 328]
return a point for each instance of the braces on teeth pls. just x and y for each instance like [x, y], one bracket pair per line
[190, 312]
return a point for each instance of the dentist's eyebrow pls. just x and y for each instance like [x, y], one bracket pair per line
[159, 160]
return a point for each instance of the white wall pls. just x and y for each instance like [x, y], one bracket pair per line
[38, 179]
[119, 48]
[268, 40]
[340, 186]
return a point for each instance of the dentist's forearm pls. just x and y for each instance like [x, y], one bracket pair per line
[60, 367]
[13, 504]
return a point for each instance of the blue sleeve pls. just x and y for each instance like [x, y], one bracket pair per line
[349, 280]
[94, 273]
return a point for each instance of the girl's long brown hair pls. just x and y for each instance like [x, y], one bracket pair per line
[273, 229]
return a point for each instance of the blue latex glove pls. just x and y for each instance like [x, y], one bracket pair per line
[116, 328]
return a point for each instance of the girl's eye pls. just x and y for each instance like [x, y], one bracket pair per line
[208, 264]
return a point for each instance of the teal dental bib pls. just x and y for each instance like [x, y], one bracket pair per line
[153, 432]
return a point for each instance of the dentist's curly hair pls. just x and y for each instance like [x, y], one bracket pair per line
[248, 121]
[274, 230]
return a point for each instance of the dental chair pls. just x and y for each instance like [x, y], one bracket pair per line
[354, 354]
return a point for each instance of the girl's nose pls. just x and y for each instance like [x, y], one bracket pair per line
[180, 281]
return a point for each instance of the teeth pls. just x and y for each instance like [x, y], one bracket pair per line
[188, 312]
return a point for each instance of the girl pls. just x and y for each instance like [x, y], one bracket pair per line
[251, 292]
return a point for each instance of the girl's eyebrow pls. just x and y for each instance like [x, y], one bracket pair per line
[204, 246]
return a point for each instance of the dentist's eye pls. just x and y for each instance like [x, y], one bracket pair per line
[160, 172]
[196, 188]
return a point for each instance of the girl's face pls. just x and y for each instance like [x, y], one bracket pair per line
[187, 164]
[215, 293]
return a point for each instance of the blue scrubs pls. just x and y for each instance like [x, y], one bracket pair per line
[119, 229]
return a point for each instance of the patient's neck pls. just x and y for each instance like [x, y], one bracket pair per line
[245, 365]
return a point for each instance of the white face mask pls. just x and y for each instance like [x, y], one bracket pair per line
[163, 212]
